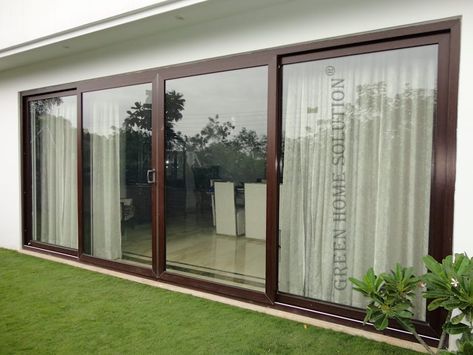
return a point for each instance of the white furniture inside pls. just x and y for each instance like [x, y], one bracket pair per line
[212, 199]
[255, 210]
[229, 220]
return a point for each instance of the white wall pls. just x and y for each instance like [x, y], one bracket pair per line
[292, 22]
[26, 20]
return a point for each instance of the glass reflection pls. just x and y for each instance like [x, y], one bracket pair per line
[355, 184]
[216, 178]
[54, 169]
[117, 139]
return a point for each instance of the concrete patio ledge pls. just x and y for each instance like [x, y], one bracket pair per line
[267, 310]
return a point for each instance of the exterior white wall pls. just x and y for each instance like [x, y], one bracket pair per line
[27, 20]
[287, 23]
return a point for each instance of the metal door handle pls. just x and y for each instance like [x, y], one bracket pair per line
[151, 176]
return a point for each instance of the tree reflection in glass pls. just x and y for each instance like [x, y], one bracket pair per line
[215, 177]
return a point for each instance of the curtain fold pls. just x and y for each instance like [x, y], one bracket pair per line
[105, 181]
[357, 151]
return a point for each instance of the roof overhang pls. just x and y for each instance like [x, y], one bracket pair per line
[161, 17]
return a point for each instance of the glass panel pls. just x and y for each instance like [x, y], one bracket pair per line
[116, 156]
[54, 169]
[357, 155]
[216, 177]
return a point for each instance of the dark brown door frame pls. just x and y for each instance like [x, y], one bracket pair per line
[113, 82]
[447, 36]
[441, 141]
[27, 174]
[208, 67]
[441, 217]
[78, 89]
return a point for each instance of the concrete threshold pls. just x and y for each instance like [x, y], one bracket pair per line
[257, 308]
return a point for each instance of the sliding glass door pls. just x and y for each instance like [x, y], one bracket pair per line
[355, 187]
[272, 176]
[53, 149]
[117, 174]
[215, 177]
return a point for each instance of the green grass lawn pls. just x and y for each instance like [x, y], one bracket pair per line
[46, 307]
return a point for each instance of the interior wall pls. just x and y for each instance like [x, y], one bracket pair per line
[287, 23]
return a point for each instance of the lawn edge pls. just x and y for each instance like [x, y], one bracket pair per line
[232, 302]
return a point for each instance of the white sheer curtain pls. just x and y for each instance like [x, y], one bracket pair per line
[55, 171]
[105, 180]
[357, 166]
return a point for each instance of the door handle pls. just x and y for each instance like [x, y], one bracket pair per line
[151, 176]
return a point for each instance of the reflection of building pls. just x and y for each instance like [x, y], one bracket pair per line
[399, 151]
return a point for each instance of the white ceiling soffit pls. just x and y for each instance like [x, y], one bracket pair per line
[161, 17]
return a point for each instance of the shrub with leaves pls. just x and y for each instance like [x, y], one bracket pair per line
[448, 285]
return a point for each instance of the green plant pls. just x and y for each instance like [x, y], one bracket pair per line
[448, 285]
